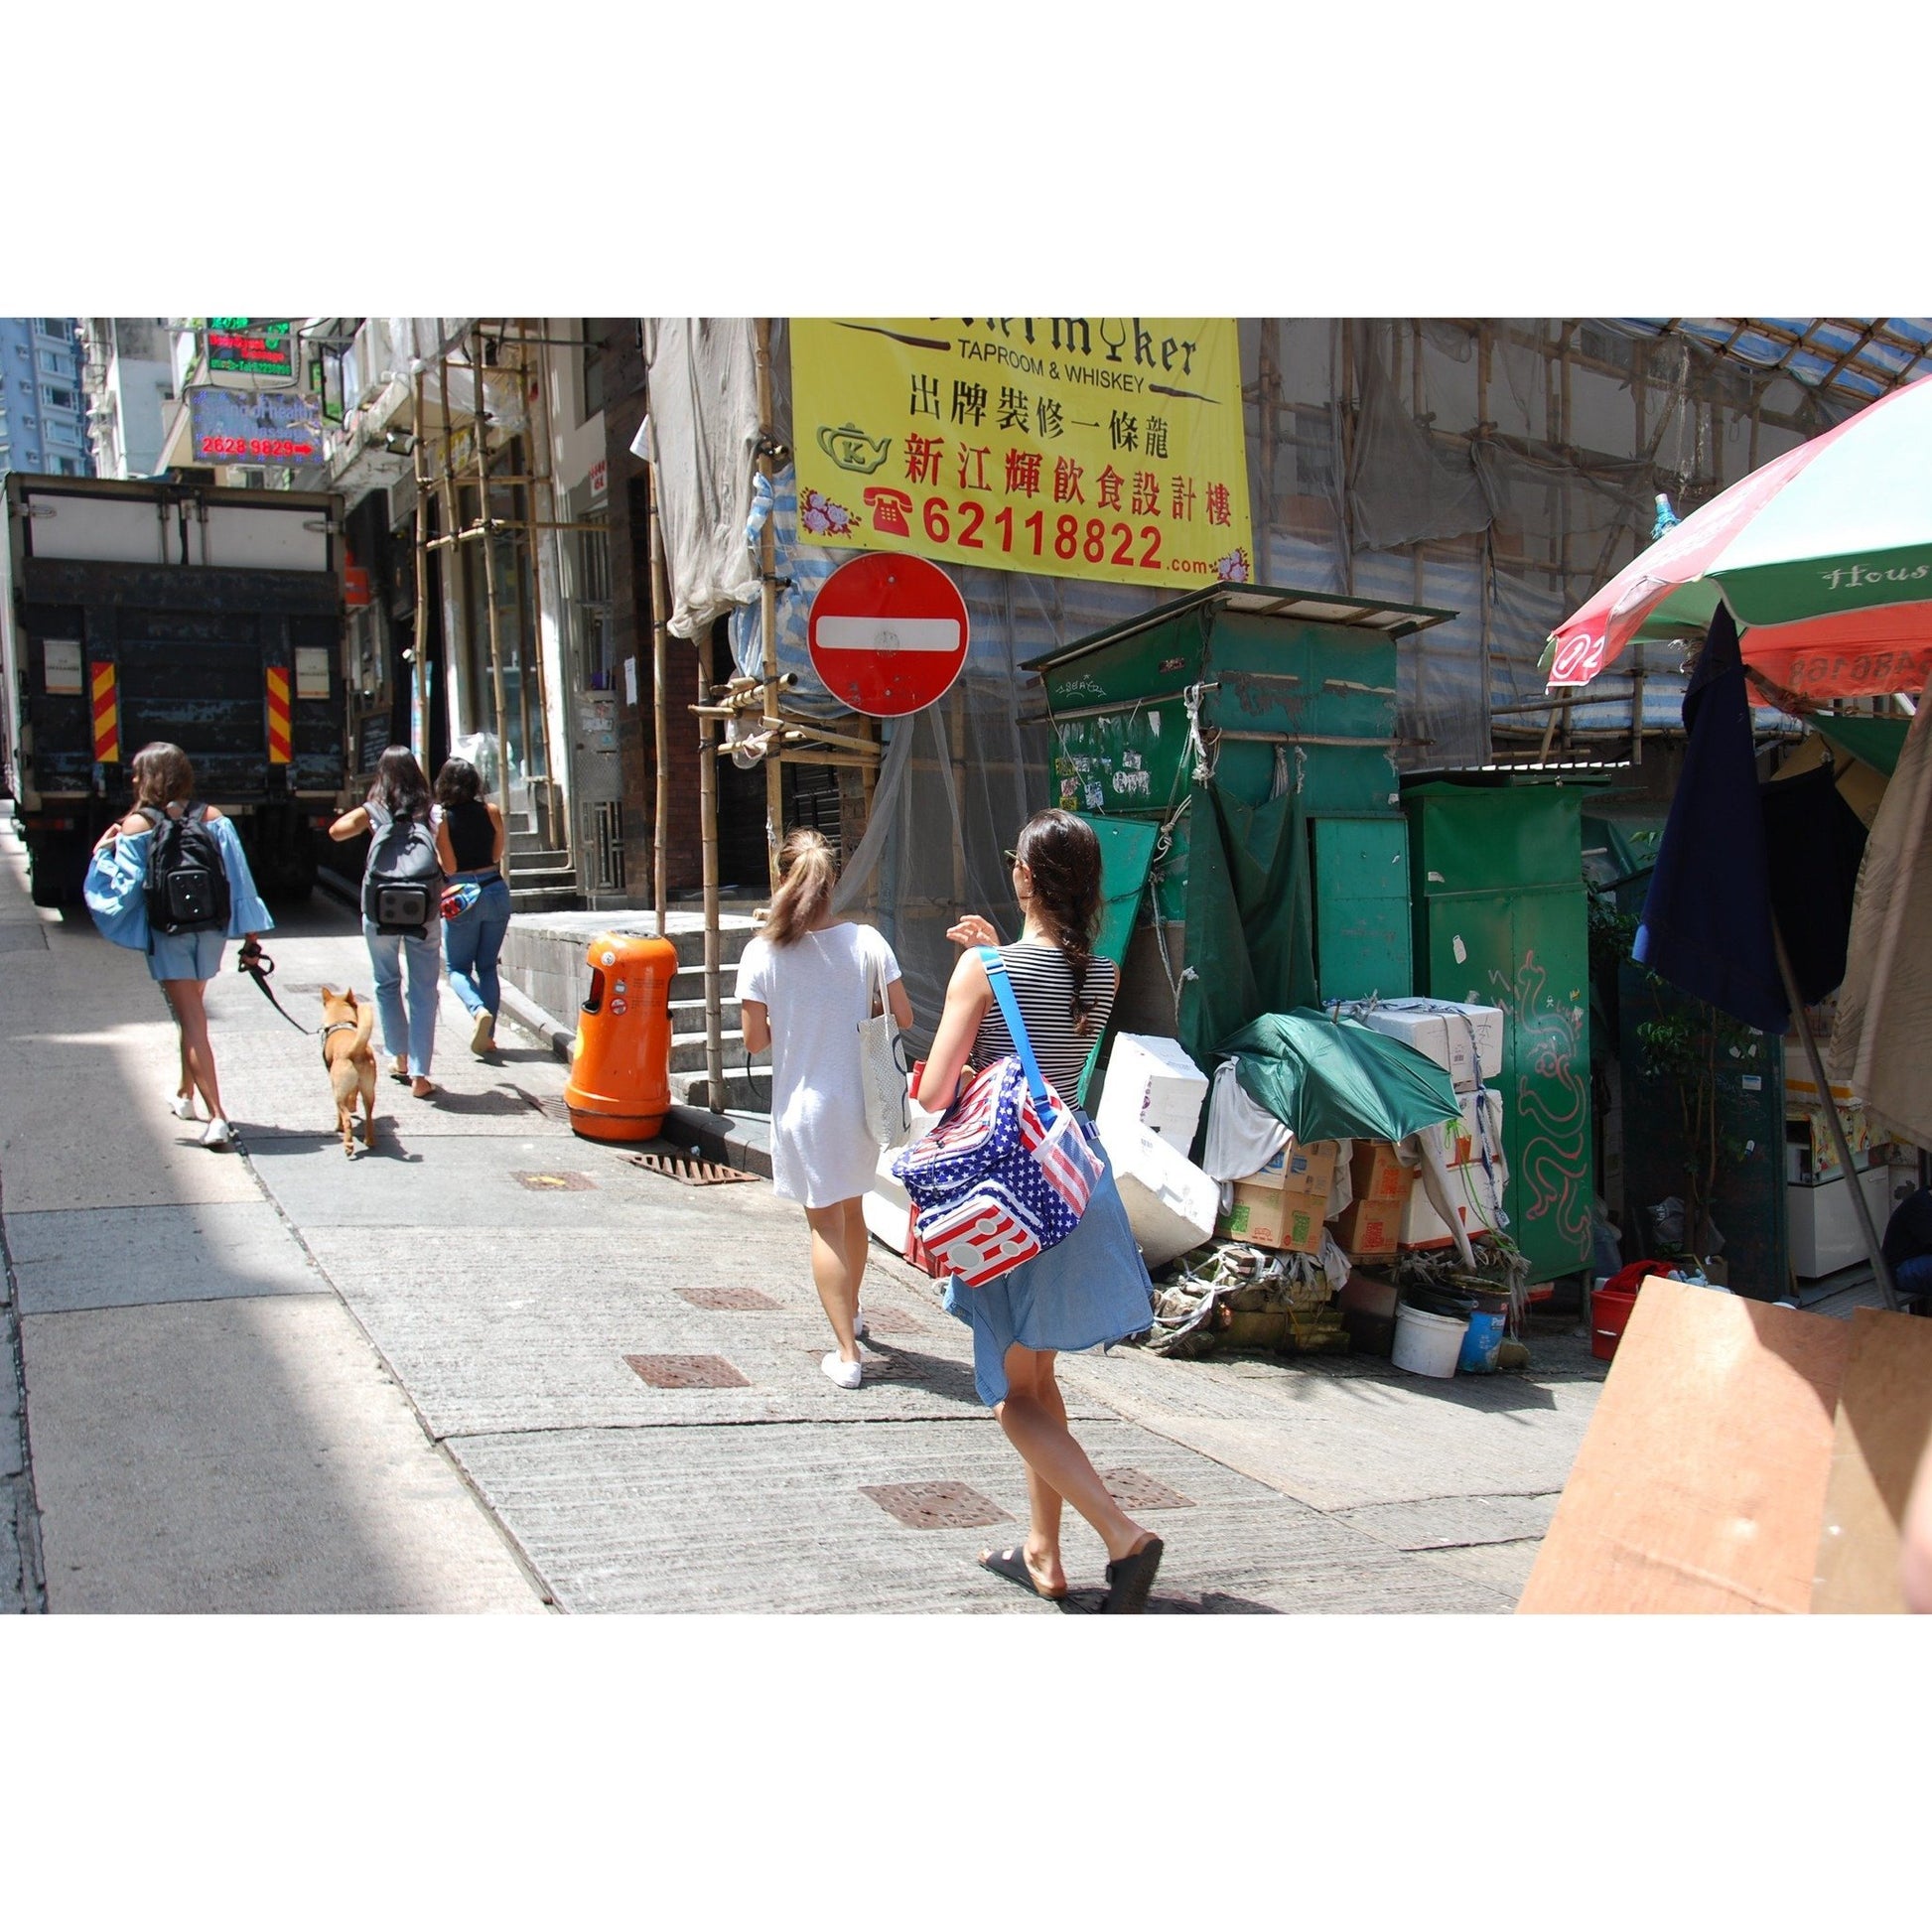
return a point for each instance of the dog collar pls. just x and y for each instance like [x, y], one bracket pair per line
[335, 1026]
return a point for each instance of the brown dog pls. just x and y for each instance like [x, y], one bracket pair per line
[348, 1023]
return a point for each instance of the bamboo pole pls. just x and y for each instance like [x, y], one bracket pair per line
[455, 582]
[774, 782]
[419, 655]
[481, 431]
[544, 478]
[660, 601]
[714, 1024]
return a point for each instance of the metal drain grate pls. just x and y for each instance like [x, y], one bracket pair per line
[747, 1298]
[889, 1322]
[693, 1172]
[1134, 1489]
[935, 1505]
[687, 1371]
[553, 1183]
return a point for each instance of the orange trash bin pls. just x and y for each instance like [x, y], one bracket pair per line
[620, 1086]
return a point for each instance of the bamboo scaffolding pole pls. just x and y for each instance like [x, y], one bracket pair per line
[775, 784]
[660, 601]
[714, 1024]
[482, 438]
[558, 821]
[455, 582]
[419, 653]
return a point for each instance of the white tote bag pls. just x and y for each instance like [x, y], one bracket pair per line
[882, 1072]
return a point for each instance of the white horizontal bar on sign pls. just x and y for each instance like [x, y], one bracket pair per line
[889, 633]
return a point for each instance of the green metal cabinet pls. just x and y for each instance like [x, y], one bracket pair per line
[1501, 919]
[1278, 691]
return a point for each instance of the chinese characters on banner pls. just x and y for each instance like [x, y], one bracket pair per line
[1100, 446]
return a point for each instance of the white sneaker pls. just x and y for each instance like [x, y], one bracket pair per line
[848, 1375]
[217, 1134]
[182, 1105]
[858, 1322]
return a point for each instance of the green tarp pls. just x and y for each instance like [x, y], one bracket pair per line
[1336, 1080]
[1877, 741]
[1250, 924]
[1125, 847]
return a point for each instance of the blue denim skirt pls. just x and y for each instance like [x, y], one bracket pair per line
[1090, 1289]
[186, 955]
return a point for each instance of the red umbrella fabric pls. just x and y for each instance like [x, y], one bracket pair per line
[1824, 557]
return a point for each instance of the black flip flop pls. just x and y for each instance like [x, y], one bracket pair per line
[1011, 1565]
[1130, 1578]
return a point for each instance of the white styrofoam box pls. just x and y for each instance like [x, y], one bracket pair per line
[1171, 1203]
[887, 1206]
[1444, 1031]
[1461, 1144]
[1150, 1082]
[1825, 1231]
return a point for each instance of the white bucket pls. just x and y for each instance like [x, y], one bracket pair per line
[1427, 1345]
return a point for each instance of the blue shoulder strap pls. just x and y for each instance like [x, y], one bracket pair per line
[996, 973]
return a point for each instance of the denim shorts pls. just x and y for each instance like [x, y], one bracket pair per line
[186, 955]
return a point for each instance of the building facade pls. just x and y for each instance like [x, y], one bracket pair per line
[43, 408]
[129, 378]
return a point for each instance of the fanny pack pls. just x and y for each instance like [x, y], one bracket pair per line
[1008, 1173]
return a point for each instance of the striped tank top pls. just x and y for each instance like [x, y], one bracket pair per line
[1042, 985]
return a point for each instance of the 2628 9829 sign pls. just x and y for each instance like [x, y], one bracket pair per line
[1099, 447]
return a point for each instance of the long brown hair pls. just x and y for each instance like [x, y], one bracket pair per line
[399, 786]
[1063, 856]
[163, 776]
[807, 875]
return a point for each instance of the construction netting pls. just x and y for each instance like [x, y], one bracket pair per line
[1499, 469]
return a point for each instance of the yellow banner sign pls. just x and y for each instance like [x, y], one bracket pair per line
[1073, 445]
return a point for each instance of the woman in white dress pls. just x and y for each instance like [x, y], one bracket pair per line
[805, 984]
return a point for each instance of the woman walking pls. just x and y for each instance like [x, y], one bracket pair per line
[805, 984]
[182, 963]
[469, 841]
[396, 816]
[1090, 1288]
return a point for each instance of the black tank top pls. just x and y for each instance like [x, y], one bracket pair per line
[473, 837]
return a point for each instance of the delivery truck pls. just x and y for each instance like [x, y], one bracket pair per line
[208, 618]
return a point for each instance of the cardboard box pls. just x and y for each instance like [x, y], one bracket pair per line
[1378, 1173]
[1302, 1166]
[1460, 1139]
[1422, 1227]
[1368, 1230]
[1466, 1041]
[1171, 1204]
[1274, 1217]
[1150, 1082]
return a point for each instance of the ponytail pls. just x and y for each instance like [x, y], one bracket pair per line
[807, 875]
[1063, 856]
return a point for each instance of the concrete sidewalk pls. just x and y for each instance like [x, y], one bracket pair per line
[625, 1370]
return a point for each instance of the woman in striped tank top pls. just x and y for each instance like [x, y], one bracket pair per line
[1092, 1288]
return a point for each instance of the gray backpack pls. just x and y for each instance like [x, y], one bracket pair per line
[402, 884]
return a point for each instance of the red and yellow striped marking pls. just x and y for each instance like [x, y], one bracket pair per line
[107, 715]
[278, 715]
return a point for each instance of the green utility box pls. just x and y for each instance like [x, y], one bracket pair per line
[1501, 920]
[1255, 727]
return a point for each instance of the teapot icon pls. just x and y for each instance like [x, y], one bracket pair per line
[852, 449]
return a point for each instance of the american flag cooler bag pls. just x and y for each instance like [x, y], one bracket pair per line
[1008, 1173]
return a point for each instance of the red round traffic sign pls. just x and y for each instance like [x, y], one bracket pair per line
[887, 634]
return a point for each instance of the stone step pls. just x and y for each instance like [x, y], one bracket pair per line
[741, 1095]
[545, 898]
[537, 858]
[540, 878]
[731, 941]
[688, 1050]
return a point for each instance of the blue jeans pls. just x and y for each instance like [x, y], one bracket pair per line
[470, 944]
[414, 1036]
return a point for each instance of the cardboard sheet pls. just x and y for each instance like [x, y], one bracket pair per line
[1700, 1483]
[1884, 1412]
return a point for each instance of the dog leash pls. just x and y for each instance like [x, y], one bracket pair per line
[257, 965]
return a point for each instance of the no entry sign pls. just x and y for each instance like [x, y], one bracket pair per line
[887, 634]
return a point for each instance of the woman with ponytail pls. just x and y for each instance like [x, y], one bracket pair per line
[1092, 1288]
[805, 984]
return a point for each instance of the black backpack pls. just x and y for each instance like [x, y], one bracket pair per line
[403, 882]
[188, 884]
